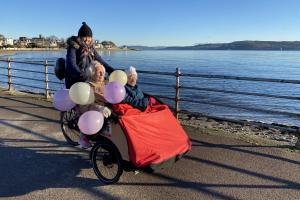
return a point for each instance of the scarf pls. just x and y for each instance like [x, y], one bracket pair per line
[86, 54]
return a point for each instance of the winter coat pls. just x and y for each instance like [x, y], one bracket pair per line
[135, 97]
[74, 63]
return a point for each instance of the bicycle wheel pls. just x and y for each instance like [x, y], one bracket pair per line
[107, 162]
[68, 122]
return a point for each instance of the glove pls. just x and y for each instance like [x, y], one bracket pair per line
[105, 111]
[152, 101]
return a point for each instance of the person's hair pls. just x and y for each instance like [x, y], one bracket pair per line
[131, 70]
[91, 70]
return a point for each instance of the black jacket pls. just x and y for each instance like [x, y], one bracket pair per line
[75, 73]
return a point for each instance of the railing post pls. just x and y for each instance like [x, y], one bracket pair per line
[177, 93]
[9, 74]
[46, 80]
[297, 145]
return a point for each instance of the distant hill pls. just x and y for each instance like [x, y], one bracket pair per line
[242, 45]
[109, 44]
[137, 47]
[238, 45]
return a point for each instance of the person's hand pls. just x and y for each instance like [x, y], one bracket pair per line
[105, 111]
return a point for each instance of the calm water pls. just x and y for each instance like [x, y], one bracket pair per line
[265, 64]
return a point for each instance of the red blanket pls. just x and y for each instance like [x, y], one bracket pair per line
[153, 135]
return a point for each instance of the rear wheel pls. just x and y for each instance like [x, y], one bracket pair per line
[107, 162]
[69, 127]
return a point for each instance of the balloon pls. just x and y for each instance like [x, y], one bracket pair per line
[118, 76]
[114, 92]
[81, 93]
[62, 101]
[90, 122]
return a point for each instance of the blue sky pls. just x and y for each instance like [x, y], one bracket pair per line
[155, 22]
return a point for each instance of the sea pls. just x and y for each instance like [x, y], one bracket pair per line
[257, 64]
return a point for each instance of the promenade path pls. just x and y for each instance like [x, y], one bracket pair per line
[37, 163]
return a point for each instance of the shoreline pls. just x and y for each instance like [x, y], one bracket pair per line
[20, 50]
[255, 133]
[14, 51]
[251, 132]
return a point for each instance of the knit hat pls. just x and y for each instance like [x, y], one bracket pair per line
[131, 70]
[85, 31]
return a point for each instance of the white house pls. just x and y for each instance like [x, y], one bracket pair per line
[24, 41]
[52, 44]
[98, 45]
[8, 41]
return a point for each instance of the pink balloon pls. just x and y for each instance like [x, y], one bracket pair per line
[62, 101]
[90, 122]
[114, 92]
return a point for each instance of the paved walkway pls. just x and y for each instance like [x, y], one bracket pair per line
[36, 163]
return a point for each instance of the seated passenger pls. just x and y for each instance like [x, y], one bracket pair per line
[95, 73]
[134, 95]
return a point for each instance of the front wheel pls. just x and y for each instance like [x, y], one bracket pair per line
[107, 162]
[69, 127]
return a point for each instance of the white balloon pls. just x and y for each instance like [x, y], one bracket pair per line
[118, 76]
[82, 93]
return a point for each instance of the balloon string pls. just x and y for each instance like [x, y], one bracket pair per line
[62, 84]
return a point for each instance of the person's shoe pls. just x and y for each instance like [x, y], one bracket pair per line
[84, 142]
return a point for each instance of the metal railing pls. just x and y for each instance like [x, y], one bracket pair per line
[177, 86]
[46, 73]
[48, 91]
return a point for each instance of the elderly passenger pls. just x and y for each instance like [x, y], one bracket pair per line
[95, 77]
[134, 95]
[95, 74]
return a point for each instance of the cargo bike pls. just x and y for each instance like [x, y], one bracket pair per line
[148, 140]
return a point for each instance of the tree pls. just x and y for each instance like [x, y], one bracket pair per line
[8, 46]
[108, 43]
[31, 45]
[52, 38]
